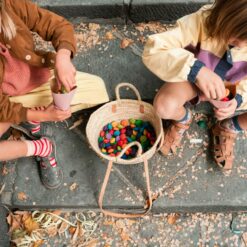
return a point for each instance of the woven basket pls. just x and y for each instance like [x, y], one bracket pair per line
[117, 111]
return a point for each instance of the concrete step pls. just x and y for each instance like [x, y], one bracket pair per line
[134, 10]
[189, 182]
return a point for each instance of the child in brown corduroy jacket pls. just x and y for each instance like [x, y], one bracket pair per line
[25, 74]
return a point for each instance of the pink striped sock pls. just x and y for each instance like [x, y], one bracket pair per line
[52, 161]
[36, 126]
[42, 147]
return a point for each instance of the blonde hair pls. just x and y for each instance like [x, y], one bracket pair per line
[227, 19]
[7, 26]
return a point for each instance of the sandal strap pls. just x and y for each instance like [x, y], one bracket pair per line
[223, 150]
[173, 137]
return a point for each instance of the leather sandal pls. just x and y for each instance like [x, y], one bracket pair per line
[173, 136]
[223, 141]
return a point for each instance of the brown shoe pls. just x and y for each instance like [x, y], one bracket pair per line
[224, 141]
[173, 136]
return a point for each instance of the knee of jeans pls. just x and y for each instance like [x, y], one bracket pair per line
[166, 107]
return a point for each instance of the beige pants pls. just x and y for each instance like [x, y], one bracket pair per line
[90, 92]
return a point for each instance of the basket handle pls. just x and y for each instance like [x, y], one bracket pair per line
[161, 140]
[135, 143]
[125, 215]
[126, 84]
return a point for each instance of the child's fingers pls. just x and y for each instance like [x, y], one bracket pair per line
[224, 110]
[213, 93]
[219, 93]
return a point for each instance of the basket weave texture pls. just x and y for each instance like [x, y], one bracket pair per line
[117, 111]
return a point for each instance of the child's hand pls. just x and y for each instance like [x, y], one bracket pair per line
[224, 113]
[49, 114]
[65, 69]
[210, 84]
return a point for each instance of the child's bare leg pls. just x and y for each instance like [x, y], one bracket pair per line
[169, 104]
[242, 120]
[11, 149]
[169, 101]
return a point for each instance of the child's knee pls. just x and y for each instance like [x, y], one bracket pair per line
[166, 106]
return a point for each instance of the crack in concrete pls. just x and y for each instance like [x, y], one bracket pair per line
[179, 173]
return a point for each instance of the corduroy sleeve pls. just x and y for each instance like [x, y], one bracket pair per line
[11, 112]
[50, 26]
[164, 53]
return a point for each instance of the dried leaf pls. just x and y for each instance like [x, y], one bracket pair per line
[22, 196]
[93, 26]
[76, 233]
[72, 230]
[5, 170]
[125, 237]
[73, 187]
[22, 213]
[80, 37]
[120, 224]
[38, 243]
[52, 231]
[30, 225]
[108, 223]
[14, 222]
[57, 212]
[92, 243]
[76, 123]
[2, 188]
[18, 233]
[64, 226]
[142, 39]
[244, 237]
[17, 241]
[130, 222]
[172, 218]
[109, 36]
[125, 43]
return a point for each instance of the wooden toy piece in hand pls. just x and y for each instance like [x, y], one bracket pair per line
[228, 96]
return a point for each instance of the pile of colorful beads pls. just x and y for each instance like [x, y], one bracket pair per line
[116, 135]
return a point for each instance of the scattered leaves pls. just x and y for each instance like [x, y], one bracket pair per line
[152, 26]
[93, 26]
